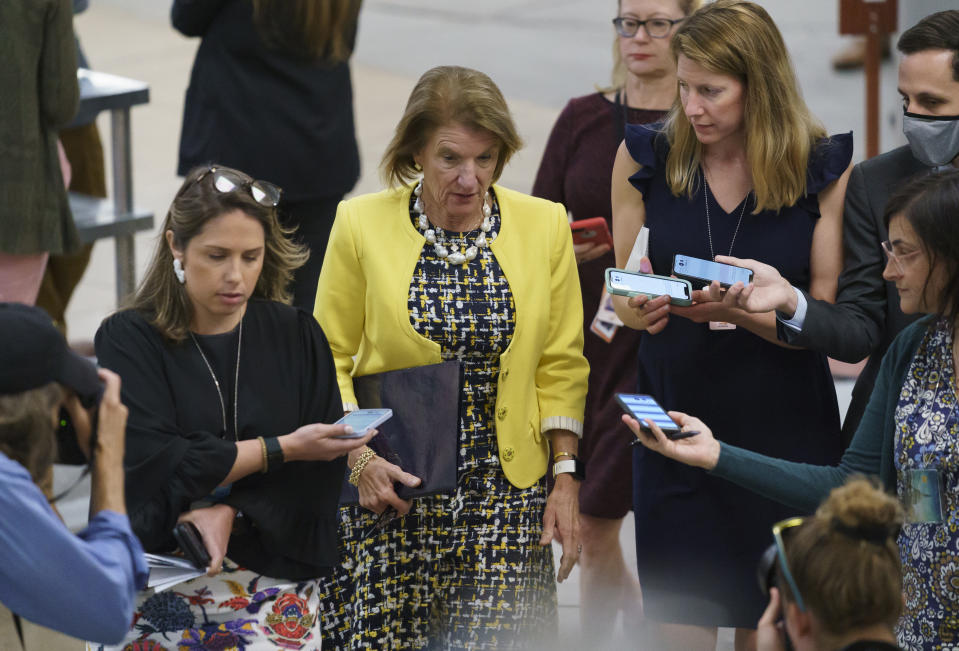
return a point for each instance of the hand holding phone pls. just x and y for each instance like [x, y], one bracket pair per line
[643, 407]
[190, 542]
[628, 283]
[362, 421]
[704, 272]
[591, 231]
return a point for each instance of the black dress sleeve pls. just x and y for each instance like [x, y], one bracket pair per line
[166, 468]
[293, 510]
[646, 143]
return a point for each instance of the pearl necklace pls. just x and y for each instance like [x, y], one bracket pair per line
[436, 236]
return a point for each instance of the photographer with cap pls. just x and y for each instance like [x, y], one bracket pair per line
[82, 585]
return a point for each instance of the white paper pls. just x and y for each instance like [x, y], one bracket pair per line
[640, 249]
[168, 571]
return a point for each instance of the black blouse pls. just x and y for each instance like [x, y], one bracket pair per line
[177, 451]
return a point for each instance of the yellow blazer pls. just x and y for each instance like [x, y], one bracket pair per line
[361, 303]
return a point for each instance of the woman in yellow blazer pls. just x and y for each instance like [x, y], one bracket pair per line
[454, 267]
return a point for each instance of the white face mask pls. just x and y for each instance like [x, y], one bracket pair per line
[934, 139]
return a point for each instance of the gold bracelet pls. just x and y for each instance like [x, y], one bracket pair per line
[360, 464]
[563, 454]
[266, 462]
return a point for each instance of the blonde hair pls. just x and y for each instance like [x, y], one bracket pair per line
[163, 299]
[308, 29]
[845, 560]
[739, 39]
[27, 430]
[443, 96]
[618, 75]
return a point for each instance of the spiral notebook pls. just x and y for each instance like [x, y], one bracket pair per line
[422, 437]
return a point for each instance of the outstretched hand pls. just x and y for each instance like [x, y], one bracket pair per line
[768, 290]
[701, 450]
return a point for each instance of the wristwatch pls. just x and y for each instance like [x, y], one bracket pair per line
[573, 466]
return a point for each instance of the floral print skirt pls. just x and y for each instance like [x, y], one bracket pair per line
[237, 609]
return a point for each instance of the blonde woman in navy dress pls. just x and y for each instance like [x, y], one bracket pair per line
[740, 165]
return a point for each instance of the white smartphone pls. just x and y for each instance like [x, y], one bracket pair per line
[706, 271]
[627, 283]
[362, 421]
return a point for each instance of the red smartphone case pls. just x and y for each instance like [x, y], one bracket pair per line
[593, 230]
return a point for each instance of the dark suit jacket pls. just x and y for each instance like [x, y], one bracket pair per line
[38, 95]
[271, 115]
[866, 316]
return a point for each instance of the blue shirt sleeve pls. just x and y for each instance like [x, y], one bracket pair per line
[83, 585]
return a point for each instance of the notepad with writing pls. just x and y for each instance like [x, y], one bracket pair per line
[422, 437]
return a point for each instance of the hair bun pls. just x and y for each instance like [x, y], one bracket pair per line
[861, 510]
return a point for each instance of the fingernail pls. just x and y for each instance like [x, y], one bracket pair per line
[347, 429]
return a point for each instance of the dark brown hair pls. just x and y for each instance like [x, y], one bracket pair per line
[938, 31]
[442, 96]
[162, 299]
[930, 203]
[308, 29]
[845, 560]
[27, 429]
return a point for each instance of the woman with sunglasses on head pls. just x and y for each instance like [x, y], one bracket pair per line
[909, 432]
[575, 171]
[228, 390]
[837, 575]
[739, 165]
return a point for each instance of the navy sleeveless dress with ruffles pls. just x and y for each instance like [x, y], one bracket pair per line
[698, 537]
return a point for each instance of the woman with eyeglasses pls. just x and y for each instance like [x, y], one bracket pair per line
[228, 390]
[837, 576]
[739, 165]
[909, 432]
[575, 171]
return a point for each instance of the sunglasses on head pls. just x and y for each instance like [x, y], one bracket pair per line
[226, 181]
[777, 552]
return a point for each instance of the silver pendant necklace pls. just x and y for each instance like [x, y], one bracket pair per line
[720, 325]
[437, 237]
[709, 229]
[216, 382]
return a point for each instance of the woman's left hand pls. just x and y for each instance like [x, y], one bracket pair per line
[214, 524]
[561, 521]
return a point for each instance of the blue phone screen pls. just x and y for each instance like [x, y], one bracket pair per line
[726, 274]
[645, 407]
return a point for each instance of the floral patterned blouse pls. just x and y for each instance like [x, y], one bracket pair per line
[927, 432]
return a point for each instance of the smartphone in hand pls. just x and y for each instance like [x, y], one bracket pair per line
[593, 230]
[643, 408]
[628, 283]
[705, 272]
[362, 421]
[190, 542]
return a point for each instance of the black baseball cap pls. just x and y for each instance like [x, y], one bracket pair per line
[34, 353]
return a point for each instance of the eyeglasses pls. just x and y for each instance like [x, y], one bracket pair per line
[900, 258]
[226, 181]
[778, 529]
[655, 27]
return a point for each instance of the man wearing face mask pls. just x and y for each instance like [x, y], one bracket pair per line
[866, 316]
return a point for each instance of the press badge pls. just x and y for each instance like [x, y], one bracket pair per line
[923, 496]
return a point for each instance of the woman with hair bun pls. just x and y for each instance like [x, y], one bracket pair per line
[838, 577]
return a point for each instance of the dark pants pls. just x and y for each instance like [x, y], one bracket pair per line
[312, 221]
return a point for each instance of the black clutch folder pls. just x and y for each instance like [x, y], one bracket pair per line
[422, 437]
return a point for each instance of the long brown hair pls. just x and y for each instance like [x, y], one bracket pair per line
[162, 299]
[739, 39]
[308, 29]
